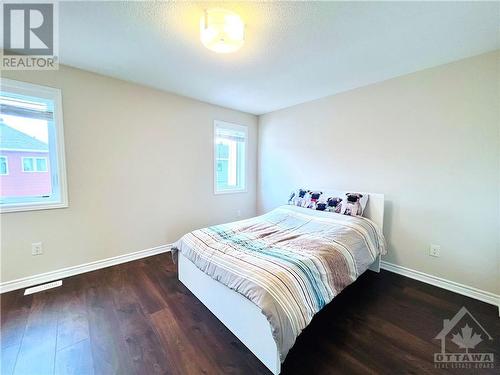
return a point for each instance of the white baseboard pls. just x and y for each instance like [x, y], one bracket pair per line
[453, 286]
[82, 268]
[62, 273]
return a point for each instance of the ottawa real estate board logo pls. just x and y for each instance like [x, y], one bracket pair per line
[30, 35]
[459, 338]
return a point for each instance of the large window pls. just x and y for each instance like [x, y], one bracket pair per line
[230, 158]
[31, 140]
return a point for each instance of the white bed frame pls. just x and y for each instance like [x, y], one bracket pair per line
[242, 317]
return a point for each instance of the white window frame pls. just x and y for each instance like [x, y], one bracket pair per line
[22, 164]
[241, 128]
[6, 165]
[57, 157]
[35, 166]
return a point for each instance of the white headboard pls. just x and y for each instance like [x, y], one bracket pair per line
[374, 209]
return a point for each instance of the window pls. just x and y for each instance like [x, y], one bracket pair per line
[230, 158]
[31, 138]
[28, 165]
[34, 164]
[41, 165]
[4, 166]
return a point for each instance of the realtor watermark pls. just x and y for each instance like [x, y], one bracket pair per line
[30, 35]
[463, 332]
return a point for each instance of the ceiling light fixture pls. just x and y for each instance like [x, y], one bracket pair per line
[221, 30]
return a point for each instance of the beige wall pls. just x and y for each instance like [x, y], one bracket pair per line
[428, 140]
[139, 165]
[140, 174]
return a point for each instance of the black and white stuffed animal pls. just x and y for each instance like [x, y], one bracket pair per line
[329, 204]
[299, 198]
[333, 203]
[313, 199]
[351, 206]
[322, 204]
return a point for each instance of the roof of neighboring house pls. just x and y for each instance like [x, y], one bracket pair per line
[12, 139]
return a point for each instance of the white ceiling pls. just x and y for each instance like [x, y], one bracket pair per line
[294, 51]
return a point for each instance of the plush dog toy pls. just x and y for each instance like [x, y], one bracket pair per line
[329, 204]
[321, 205]
[313, 198]
[351, 206]
[299, 198]
[333, 203]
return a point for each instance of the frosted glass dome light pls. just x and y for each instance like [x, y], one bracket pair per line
[221, 30]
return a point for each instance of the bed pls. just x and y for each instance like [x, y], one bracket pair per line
[278, 270]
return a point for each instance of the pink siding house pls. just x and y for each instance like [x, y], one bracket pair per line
[24, 164]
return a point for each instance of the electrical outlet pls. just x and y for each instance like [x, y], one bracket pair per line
[238, 213]
[36, 248]
[435, 250]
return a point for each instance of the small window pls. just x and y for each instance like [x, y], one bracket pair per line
[230, 158]
[31, 139]
[41, 164]
[34, 164]
[4, 166]
[28, 165]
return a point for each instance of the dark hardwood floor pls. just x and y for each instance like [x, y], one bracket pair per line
[137, 318]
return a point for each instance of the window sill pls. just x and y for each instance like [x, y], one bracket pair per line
[223, 192]
[32, 207]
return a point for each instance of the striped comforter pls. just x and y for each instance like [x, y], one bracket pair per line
[290, 262]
